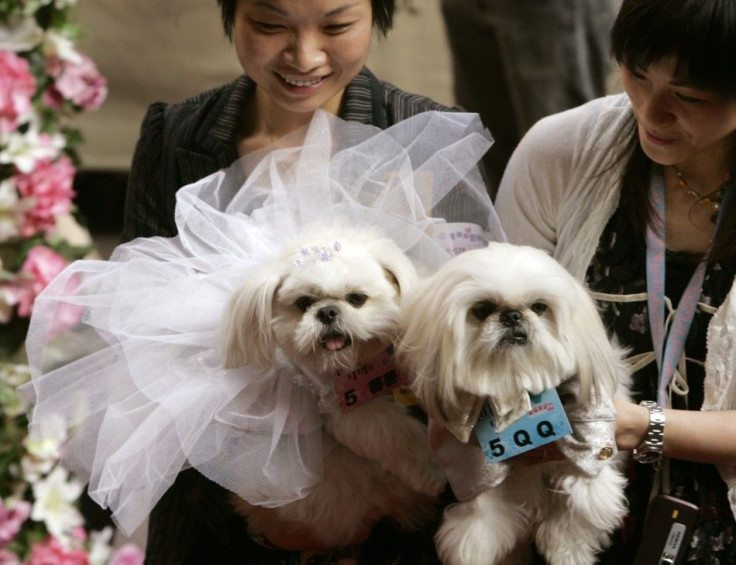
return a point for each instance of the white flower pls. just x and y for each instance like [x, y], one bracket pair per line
[24, 150]
[14, 374]
[9, 217]
[59, 45]
[54, 499]
[7, 303]
[8, 194]
[46, 448]
[30, 7]
[32, 469]
[20, 34]
[99, 546]
[43, 449]
[45, 442]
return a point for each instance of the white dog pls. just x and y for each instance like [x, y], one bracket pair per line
[330, 303]
[494, 325]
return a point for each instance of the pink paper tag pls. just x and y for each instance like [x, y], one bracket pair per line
[373, 378]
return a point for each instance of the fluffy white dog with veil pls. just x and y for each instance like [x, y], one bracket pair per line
[327, 309]
[130, 357]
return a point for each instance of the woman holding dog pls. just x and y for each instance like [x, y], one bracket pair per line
[634, 193]
[298, 56]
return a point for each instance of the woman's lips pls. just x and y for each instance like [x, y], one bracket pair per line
[657, 140]
[301, 85]
[301, 82]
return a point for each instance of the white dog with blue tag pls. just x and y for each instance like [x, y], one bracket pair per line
[486, 333]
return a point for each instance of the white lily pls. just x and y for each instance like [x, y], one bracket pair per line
[45, 443]
[9, 220]
[59, 45]
[20, 34]
[100, 548]
[25, 150]
[7, 303]
[54, 499]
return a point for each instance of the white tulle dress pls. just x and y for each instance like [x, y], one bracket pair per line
[123, 352]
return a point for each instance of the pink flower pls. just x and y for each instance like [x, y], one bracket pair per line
[49, 187]
[11, 519]
[17, 86]
[8, 558]
[78, 82]
[40, 267]
[18, 293]
[128, 554]
[79, 534]
[52, 552]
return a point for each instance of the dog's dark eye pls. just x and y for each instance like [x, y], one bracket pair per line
[483, 309]
[357, 299]
[304, 302]
[539, 308]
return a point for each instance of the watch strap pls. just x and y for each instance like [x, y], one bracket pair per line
[650, 451]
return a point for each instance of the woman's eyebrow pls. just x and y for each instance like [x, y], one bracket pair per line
[340, 9]
[273, 8]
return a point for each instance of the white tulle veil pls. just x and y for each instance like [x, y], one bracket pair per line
[123, 352]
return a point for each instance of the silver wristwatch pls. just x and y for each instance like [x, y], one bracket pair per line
[651, 450]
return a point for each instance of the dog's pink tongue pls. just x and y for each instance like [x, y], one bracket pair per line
[335, 343]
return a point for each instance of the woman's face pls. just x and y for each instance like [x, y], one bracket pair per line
[303, 53]
[679, 124]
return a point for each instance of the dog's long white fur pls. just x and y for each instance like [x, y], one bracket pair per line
[454, 354]
[382, 465]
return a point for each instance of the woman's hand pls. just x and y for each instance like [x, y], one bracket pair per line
[693, 435]
[632, 423]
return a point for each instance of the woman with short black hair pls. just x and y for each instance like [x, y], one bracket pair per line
[298, 56]
[635, 194]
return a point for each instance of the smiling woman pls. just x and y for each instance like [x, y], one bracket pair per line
[302, 56]
[640, 202]
[298, 56]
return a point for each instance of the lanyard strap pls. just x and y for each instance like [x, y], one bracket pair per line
[668, 346]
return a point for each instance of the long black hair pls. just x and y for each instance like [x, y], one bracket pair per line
[700, 35]
[383, 15]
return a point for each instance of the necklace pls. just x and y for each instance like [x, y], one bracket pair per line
[713, 198]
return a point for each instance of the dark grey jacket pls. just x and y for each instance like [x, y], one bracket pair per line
[179, 144]
[182, 143]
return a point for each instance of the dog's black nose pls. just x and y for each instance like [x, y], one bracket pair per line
[328, 314]
[511, 317]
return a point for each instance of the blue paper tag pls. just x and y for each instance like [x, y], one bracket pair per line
[544, 423]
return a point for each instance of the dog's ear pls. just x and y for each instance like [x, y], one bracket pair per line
[246, 334]
[431, 349]
[399, 268]
[599, 360]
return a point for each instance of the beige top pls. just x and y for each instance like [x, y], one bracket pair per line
[553, 196]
